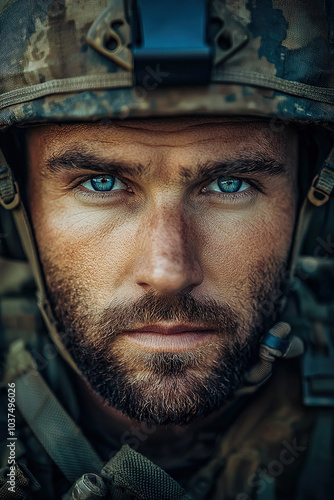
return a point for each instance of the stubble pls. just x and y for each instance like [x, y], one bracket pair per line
[164, 387]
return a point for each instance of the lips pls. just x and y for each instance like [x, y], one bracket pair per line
[173, 338]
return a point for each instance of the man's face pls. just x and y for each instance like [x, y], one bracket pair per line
[164, 245]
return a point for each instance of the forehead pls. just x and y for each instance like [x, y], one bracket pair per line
[240, 133]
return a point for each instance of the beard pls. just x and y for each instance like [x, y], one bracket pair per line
[161, 388]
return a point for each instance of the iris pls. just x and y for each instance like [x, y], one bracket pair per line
[229, 185]
[103, 182]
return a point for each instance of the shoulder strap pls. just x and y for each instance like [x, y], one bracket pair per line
[55, 430]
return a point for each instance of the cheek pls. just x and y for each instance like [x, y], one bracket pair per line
[98, 251]
[237, 247]
[88, 247]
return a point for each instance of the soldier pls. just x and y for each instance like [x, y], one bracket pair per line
[165, 173]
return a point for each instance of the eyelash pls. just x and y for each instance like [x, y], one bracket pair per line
[255, 187]
[79, 182]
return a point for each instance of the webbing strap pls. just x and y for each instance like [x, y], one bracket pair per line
[320, 191]
[323, 184]
[304, 220]
[10, 199]
[24, 230]
[28, 242]
[55, 430]
[131, 475]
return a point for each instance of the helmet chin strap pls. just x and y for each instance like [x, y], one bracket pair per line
[10, 200]
[275, 344]
[29, 246]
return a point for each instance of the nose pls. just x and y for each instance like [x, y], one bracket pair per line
[168, 262]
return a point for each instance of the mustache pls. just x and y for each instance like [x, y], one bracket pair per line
[153, 308]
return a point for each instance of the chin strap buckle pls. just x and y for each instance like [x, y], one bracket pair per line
[15, 200]
[9, 191]
[323, 183]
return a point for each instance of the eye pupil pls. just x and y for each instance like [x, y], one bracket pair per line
[229, 185]
[103, 183]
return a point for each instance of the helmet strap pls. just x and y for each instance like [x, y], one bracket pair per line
[321, 190]
[10, 199]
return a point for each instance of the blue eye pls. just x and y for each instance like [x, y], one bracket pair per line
[104, 183]
[227, 186]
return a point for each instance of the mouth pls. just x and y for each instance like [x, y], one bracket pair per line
[171, 338]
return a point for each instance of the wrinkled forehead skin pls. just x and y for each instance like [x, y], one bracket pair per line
[48, 72]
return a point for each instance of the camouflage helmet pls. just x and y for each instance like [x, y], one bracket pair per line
[64, 60]
[71, 60]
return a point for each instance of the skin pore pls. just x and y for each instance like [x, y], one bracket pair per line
[153, 225]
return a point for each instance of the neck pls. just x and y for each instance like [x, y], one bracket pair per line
[159, 443]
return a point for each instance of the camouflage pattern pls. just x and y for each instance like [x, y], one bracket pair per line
[48, 71]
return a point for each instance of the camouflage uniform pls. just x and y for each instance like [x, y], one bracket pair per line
[69, 61]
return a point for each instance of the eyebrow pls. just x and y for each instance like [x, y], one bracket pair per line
[245, 164]
[72, 160]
